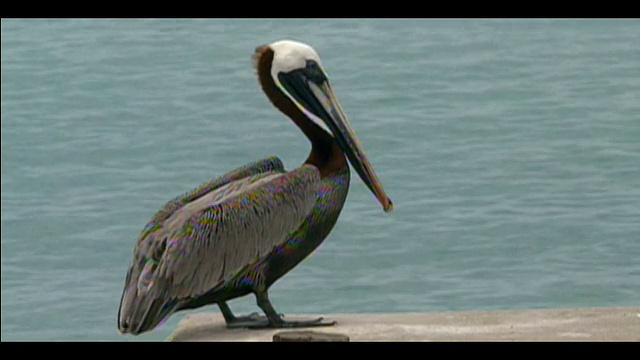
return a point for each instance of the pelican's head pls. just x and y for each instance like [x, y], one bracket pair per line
[295, 65]
[297, 72]
[291, 55]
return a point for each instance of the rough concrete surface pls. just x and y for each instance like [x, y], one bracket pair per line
[576, 324]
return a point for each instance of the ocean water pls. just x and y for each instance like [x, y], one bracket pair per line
[511, 150]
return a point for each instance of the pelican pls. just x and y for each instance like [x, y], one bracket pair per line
[239, 233]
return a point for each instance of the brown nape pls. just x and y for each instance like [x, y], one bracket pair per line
[325, 153]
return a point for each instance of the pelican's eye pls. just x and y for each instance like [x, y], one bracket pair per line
[314, 73]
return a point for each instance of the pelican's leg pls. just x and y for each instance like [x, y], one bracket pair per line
[235, 322]
[275, 320]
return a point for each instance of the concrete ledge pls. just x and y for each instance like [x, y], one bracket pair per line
[580, 324]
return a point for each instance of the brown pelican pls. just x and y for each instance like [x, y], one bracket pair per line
[239, 233]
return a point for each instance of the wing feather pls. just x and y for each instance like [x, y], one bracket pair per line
[203, 237]
[270, 164]
[218, 241]
[150, 247]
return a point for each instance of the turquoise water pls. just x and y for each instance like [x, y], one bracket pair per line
[511, 150]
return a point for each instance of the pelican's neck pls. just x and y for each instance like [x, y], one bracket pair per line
[325, 153]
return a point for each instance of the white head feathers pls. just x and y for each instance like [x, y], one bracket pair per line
[290, 55]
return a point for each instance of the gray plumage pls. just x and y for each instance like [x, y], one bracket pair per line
[202, 238]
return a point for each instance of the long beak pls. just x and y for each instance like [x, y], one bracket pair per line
[317, 98]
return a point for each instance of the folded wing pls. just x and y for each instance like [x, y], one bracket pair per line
[193, 246]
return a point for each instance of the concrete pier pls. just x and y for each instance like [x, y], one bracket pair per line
[573, 324]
